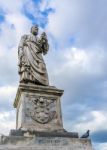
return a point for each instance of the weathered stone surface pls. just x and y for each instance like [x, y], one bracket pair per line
[38, 108]
[44, 143]
[31, 133]
[32, 67]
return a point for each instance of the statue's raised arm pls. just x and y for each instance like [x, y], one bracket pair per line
[32, 67]
[44, 43]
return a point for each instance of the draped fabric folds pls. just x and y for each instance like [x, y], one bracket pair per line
[32, 67]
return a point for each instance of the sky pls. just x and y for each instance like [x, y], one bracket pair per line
[76, 61]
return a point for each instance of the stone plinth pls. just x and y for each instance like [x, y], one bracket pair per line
[38, 108]
[44, 143]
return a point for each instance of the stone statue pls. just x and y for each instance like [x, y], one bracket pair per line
[32, 67]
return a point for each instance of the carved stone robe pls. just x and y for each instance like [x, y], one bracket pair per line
[31, 64]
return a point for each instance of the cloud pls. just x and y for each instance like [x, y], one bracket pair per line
[79, 34]
[82, 75]
[82, 22]
[7, 122]
[10, 7]
[93, 120]
[7, 96]
[101, 146]
[78, 68]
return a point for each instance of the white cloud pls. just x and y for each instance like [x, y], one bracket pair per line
[11, 6]
[44, 5]
[94, 121]
[86, 60]
[7, 122]
[77, 65]
[84, 20]
[102, 146]
[7, 96]
[20, 22]
[97, 121]
[7, 91]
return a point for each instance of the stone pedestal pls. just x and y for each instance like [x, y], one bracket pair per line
[38, 108]
[44, 143]
[39, 122]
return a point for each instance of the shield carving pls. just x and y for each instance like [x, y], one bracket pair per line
[43, 110]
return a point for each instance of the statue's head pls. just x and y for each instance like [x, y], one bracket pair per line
[34, 29]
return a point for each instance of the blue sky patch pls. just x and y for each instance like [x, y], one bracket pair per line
[47, 11]
[100, 136]
[38, 17]
[37, 1]
[2, 16]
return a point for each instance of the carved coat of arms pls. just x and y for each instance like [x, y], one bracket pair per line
[43, 110]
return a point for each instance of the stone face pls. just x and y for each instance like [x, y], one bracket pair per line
[38, 108]
[44, 143]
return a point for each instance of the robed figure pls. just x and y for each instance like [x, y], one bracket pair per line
[32, 67]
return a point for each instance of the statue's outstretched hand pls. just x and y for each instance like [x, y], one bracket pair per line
[44, 42]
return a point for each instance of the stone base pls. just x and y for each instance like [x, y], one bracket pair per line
[33, 133]
[38, 108]
[44, 143]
